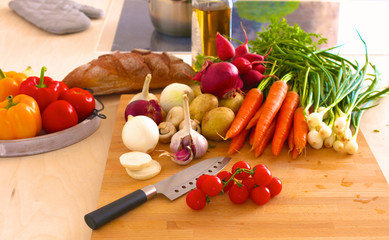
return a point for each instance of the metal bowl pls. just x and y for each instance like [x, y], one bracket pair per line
[171, 17]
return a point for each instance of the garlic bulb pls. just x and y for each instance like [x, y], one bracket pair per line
[187, 144]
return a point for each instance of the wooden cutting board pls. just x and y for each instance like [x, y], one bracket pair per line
[326, 195]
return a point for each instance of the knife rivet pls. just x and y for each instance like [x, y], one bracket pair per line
[210, 171]
[176, 190]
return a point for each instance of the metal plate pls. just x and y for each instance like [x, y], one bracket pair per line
[49, 142]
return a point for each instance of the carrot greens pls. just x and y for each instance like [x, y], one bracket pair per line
[334, 91]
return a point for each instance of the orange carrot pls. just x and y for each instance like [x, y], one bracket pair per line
[238, 141]
[255, 118]
[250, 105]
[267, 137]
[295, 153]
[291, 139]
[272, 105]
[251, 137]
[284, 121]
[300, 127]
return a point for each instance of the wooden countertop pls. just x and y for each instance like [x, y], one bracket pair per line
[46, 196]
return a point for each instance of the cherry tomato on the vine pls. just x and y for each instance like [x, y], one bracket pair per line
[225, 176]
[262, 176]
[200, 180]
[275, 186]
[259, 165]
[242, 165]
[212, 186]
[249, 183]
[260, 195]
[238, 194]
[196, 199]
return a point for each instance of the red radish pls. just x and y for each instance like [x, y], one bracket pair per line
[243, 65]
[220, 79]
[242, 49]
[224, 48]
[253, 57]
[151, 109]
[259, 67]
[253, 78]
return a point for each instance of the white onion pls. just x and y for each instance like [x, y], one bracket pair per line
[140, 133]
[351, 147]
[320, 109]
[314, 120]
[329, 141]
[340, 123]
[314, 139]
[325, 131]
[338, 146]
[145, 94]
[171, 95]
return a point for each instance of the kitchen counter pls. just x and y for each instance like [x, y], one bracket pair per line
[46, 196]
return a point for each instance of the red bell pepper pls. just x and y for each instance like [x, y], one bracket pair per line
[43, 89]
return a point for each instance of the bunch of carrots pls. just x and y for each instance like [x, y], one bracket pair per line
[314, 83]
[279, 118]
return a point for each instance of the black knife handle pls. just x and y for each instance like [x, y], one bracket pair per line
[115, 209]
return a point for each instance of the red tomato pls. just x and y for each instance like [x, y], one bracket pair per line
[241, 165]
[275, 186]
[82, 100]
[58, 116]
[262, 176]
[62, 89]
[259, 165]
[249, 183]
[212, 186]
[238, 195]
[200, 180]
[196, 199]
[260, 195]
[225, 176]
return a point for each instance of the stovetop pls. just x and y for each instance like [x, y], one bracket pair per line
[338, 21]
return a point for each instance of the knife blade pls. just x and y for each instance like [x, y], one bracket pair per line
[171, 187]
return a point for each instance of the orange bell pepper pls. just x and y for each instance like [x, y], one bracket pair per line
[19, 117]
[10, 83]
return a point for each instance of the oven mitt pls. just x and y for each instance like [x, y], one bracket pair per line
[56, 16]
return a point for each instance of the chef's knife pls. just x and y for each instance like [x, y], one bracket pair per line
[172, 187]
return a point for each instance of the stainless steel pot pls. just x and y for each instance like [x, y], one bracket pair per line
[171, 17]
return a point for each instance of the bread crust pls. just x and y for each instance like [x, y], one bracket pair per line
[125, 72]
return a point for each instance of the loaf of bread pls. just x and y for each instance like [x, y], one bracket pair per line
[125, 72]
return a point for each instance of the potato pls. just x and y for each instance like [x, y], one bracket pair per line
[216, 123]
[233, 103]
[202, 104]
